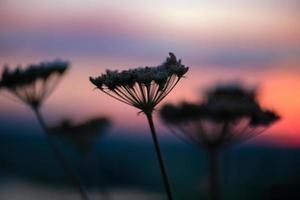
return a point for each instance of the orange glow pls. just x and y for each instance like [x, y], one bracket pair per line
[256, 42]
[76, 98]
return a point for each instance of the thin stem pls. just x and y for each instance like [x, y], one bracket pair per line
[102, 171]
[142, 92]
[159, 157]
[59, 156]
[48, 90]
[166, 92]
[182, 138]
[117, 98]
[15, 99]
[134, 97]
[214, 174]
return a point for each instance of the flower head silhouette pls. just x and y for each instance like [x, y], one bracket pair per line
[83, 135]
[229, 114]
[144, 88]
[31, 86]
[35, 83]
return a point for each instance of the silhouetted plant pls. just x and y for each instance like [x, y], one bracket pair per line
[84, 135]
[229, 114]
[35, 83]
[144, 88]
[31, 86]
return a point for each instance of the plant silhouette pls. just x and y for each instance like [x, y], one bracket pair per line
[82, 135]
[230, 113]
[31, 86]
[144, 88]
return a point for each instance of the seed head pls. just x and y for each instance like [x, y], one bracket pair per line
[142, 87]
[228, 114]
[82, 136]
[34, 83]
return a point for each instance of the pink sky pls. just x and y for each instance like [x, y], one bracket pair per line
[255, 41]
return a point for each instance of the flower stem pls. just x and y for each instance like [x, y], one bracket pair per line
[214, 174]
[159, 157]
[61, 159]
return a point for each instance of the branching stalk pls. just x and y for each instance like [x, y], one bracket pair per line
[214, 174]
[159, 157]
[59, 156]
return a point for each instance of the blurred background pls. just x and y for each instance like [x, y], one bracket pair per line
[257, 42]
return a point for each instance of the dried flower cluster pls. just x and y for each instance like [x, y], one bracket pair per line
[83, 135]
[34, 83]
[229, 113]
[142, 87]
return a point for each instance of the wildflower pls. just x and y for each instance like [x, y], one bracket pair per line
[32, 86]
[83, 135]
[229, 114]
[235, 109]
[144, 88]
[35, 83]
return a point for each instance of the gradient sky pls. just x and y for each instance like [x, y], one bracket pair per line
[255, 41]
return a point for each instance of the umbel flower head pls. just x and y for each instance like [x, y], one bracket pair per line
[35, 83]
[142, 87]
[229, 114]
[83, 135]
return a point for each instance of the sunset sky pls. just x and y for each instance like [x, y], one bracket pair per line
[256, 41]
